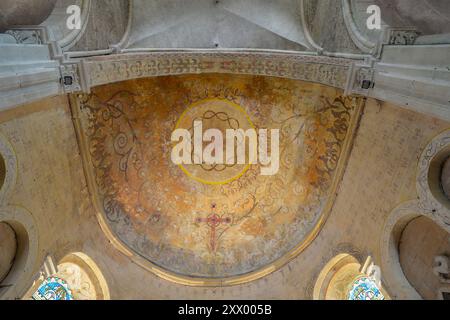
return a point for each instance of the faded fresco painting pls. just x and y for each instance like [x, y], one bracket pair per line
[214, 221]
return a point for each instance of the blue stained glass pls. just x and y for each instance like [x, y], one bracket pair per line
[53, 288]
[364, 288]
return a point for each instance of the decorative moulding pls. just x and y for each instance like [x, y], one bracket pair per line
[115, 68]
[401, 36]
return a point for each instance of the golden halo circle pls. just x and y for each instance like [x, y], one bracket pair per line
[238, 108]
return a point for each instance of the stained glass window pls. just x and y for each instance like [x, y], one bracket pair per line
[53, 288]
[364, 288]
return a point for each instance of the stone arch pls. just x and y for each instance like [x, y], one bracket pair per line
[428, 16]
[340, 274]
[445, 177]
[308, 36]
[8, 249]
[332, 281]
[427, 19]
[2, 172]
[24, 12]
[20, 223]
[8, 169]
[56, 22]
[80, 276]
[15, 283]
[395, 280]
[354, 18]
[84, 277]
[424, 251]
[432, 203]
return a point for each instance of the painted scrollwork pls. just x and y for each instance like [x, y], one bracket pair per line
[193, 229]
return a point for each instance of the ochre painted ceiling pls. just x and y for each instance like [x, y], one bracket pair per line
[244, 222]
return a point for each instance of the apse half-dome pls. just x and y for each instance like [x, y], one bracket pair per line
[203, 224]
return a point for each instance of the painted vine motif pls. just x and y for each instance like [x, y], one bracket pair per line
[213, 231]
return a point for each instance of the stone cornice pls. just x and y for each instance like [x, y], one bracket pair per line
[115, 68]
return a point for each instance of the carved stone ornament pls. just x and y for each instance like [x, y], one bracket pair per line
[115, 68]
[402, 37]
[26, 36]
[70, 78]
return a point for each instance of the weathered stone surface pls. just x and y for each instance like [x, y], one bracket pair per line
[24, 12]
[319, 69]
[8, 247]
[202, 221]
[326, 24]
[445, 178]
[421, 241]
[428, 16]
[107, 23]
[2, 171]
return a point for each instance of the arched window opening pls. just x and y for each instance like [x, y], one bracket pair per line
[76, 277]
[424, 251]
[53, 288]
[345, 278]
[364, 288]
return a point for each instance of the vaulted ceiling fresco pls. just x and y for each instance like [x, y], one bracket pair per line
[214, 222]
